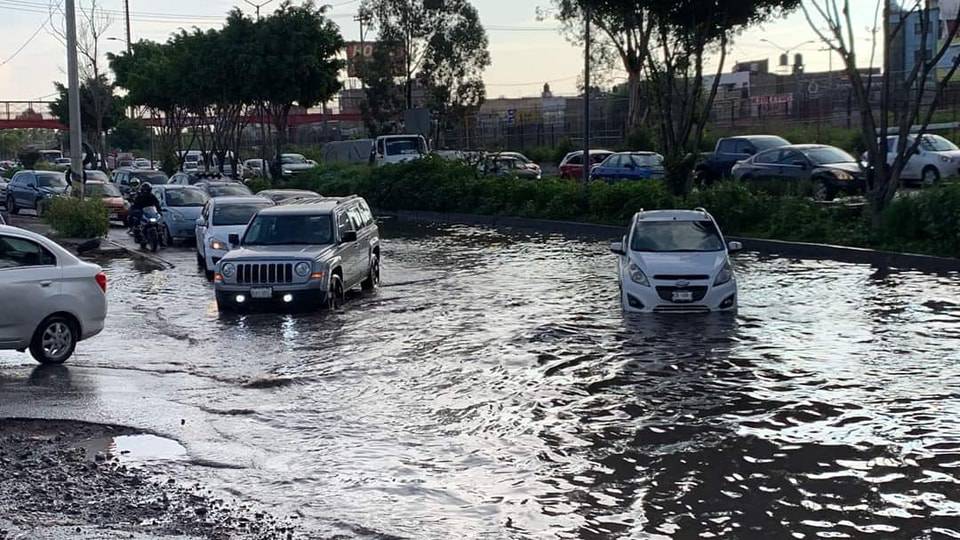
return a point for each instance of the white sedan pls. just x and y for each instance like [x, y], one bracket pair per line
[51, 299]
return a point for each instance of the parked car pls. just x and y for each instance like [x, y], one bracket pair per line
[306, 254]
[181, 206]
[60, 300]
[123, 177]
[253, 168]
[3, 189]
[500, 165]
[33, 190]
[936, 158]
[111, 197]
[522, 159]
[675, 261]
[716, 165]
[219, 218]
[829, 170]
[629, 166]
[571, 167]
[294, 164]
[284, 196]
[389, 149]
[222, 188]
[193, 178]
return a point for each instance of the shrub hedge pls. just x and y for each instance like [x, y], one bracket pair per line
[926, 222]
[73, 218]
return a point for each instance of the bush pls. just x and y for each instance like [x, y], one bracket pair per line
[73, 218]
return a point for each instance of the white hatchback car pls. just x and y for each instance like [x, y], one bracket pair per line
[936, 158]
[676, 261]
[51, 299]
[220, 218]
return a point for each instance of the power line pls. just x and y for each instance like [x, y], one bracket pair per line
[30, 39]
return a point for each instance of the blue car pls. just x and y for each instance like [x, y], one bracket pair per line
[33, 190]
[629, 166]
[181, 206]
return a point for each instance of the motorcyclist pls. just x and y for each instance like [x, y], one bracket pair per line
[144, 199]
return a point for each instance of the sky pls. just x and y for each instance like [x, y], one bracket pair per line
[525, 52]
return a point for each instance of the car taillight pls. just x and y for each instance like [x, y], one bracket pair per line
[102, 281]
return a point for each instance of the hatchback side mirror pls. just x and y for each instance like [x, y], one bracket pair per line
[349, 236]
[617, 247]
[233, 239]
[734, 247]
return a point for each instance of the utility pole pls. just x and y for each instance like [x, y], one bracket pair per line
[73, 82]
[258, 6]
[586, 93]
[362, 18]
[126, 12]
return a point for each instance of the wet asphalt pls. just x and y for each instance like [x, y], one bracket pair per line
[492, 388]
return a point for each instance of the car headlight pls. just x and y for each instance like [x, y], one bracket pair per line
[217, 244]
[302, 269]
[637, 275]
[842, 175]
[946, 159]
[228, 269]
[152, 220]
[725, 274]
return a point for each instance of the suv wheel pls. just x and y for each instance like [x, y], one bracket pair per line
[12, 205]
[54, 341]
[335, 294]
[373, 277]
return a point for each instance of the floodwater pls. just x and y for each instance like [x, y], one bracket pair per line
[492, 388]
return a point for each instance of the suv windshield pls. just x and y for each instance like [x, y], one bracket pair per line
[229, 190]
[673, 236]
[278, 230]
[823, 156]
[51, 180]
[184, 197]
[235, 214]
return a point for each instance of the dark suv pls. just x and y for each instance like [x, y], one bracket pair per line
[32, 190]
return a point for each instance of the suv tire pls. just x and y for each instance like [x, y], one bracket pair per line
[54, 340]
[335, 294]
[373, 276]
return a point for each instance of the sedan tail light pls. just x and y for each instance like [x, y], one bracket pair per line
[102, 281]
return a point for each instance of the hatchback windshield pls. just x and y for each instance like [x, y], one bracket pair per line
[936, 143]
[184, 197]
[277, 230]
[229, 190]
[292, 159]
[51, 180]
[102, 190]
[823, 156]
[674, 236]
[235, 214]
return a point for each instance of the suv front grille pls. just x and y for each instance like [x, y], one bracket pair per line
[265, 273]
[666, 293]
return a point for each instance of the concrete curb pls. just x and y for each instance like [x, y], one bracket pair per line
[800, 250]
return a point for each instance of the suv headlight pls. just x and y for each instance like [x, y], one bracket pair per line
[217, 244]
[637, 275]
[228, 269]
[725, 274]
[302, 269]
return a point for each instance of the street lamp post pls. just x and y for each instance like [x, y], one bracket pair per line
[258, 6]
[787, 50]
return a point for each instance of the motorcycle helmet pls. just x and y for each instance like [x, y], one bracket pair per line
[134, 184]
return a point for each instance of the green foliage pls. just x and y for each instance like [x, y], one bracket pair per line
[129, 134]
[642, 138]
[928, 221]
[29, 156]
[73, 218]
[99, 105]
[259, 184]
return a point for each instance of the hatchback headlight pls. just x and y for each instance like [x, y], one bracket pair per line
[725, 274]
[946, 159]
[228, 269]
[302, 269]
[637, 275]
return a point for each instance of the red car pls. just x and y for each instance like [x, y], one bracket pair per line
[572, 165]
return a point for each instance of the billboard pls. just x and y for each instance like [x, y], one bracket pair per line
[357, 51]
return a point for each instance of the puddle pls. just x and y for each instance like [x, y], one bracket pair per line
[132, 449]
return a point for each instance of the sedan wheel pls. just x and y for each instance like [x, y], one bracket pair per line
[54, 341]
[821, 192]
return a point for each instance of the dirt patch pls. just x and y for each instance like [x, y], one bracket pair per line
[51, 486]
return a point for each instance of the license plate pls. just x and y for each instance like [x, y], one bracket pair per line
[683, 296]
[261, 292]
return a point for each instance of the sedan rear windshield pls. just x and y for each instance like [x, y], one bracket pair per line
[185, 197]
[235, 214]
[289, 230]
[675, 236]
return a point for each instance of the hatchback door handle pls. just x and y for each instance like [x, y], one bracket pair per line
[46, 283]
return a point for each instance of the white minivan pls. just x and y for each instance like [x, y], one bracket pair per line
[51, 299]
[675, 261]
[389, 149]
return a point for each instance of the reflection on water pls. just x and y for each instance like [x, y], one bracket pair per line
[493, 388]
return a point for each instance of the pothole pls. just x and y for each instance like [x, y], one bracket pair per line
[134, 449]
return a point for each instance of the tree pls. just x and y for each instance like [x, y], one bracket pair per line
[129, 134]
[441, 42]
[100, 108]
[907, 100]
[382, 106]
[298, 62]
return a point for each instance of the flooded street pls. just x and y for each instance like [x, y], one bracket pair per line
[492, 388]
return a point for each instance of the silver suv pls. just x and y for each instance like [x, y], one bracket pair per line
[301, 255]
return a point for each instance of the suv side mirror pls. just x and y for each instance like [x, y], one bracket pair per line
[734, 247]
[617, 247]
[233, 239]
[349, 236]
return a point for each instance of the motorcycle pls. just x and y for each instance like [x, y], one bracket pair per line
[149, 229]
